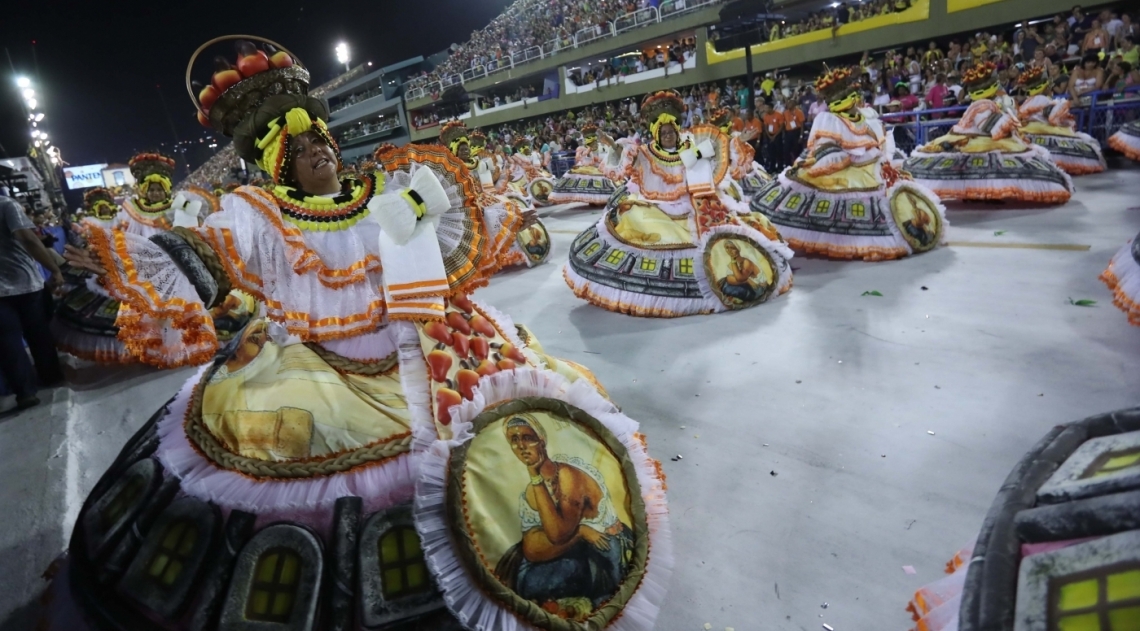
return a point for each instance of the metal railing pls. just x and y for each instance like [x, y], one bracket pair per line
[417, 89]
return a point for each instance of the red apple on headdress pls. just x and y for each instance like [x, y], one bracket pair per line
[439, 362]
[207, 95]
[224, 74]
[482, 325]
[279, 58]
[250, 60]
[458, 322]
[480, 347]
[487, 367]
[438, 331]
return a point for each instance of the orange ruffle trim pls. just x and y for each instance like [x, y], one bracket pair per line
[308, 260]
[139, 323]
[1129, 152]
[846, 252]
[584, 293]
[1008, 193]
[1119, 298]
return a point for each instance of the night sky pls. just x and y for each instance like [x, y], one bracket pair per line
[99, 63]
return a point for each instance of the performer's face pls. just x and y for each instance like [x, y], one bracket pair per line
[668, 137]
[463, 151]
[528, 447]
[314, 164]
[155, 193]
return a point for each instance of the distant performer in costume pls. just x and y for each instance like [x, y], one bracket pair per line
[84, 322]
[842, 198]
[1126, 140]
[154, 207]
[585, 183]
[745, 171]
[984, 158]
[671, 238]
[511, 222]
[1046, 122]
[527, 173]
[1123, 279]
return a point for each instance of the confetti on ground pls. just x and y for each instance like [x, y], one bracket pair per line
[773, 473]
[998, 233]
[909, 569]
[930, 432]
[798, 381]
[924, 288]
[678, 457]
[707, 626]
[873, 292]
[823, 606]
[1084, 302]
[828, 627]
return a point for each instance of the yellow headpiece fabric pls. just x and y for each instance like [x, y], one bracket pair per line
[840, 105]
[454, 146]
[984, 93]
[162, 180]
[1038, 89]
[274, 144]
[663, 119]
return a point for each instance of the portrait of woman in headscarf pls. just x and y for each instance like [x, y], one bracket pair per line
[574, 551]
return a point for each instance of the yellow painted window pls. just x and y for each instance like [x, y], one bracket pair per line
[124, 498]
[173, 552]
[615, 257]
[1079, 595]
[592, 249]
[794, 201]
[274, 587]
[685, 266]
[402, 569]
[648, 265]
[858, 210]
[822, 206]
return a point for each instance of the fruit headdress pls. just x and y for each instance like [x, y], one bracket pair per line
[661, 108]
[520, 143]
[101, 203]
[721, 118]
[838, 88]
[453, 134]
[1034, 80]
[980, 81]
[589, 133]
[261, 102]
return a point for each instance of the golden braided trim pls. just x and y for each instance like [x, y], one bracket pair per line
[210, 259]
[353, 367]
[208, 446]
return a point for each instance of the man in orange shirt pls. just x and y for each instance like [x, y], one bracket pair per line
[793, 131]
[737, 122]
[773, 138]
[753, 132]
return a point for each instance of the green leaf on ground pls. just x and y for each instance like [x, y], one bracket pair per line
[872, 293]
[1084, 302]
[998, 233]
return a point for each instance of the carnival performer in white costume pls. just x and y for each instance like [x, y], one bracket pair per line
[674, 243]
[843, 199]
[1046, 122]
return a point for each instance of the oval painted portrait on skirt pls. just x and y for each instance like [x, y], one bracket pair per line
[552, 510]
[739, 271]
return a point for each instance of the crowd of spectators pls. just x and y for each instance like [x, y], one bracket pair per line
[834, 17]
[364, 128]
[549, 25]
[613, 69]
[353, 99]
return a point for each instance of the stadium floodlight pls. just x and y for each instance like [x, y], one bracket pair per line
[23, 82]
[32, 103]
[342, 55]
[29, 94]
